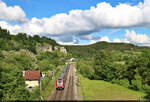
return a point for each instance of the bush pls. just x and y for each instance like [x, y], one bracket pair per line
[45, 81]
[35, 93]
[136, 84]
[146, 88]
[122, 82]
[85, 68]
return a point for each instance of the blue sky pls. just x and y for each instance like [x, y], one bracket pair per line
[40, 16]
[47, 8]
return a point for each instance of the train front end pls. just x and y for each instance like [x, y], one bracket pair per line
[60, 84]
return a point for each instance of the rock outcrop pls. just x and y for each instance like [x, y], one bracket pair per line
[50, 48]
[44, 48]
[63, 49]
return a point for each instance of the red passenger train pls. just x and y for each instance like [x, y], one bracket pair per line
[60, 82]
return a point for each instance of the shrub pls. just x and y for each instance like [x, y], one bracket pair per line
[35, 93]
[85, 68]
[122, 82]
[136, 84]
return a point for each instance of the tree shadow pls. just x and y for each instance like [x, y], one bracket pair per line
[147, 96]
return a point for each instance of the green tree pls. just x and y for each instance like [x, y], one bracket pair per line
[12, 83]
[103, 66]
[86, 68]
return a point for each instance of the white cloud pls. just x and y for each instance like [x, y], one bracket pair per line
[117, 40]
[10, 13]
[133, 37]
[92, 41]
[125, 40]
[74, 42]
[13, 29]
[105, 38]
[89, 37]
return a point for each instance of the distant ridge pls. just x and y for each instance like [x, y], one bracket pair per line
[87, 50]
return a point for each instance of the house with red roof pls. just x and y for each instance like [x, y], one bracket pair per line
[32, 77]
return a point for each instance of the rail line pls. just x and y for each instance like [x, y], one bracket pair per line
[68, 92]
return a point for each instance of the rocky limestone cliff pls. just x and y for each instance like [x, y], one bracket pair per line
[46, 47]
[50, 48]
[63, 49]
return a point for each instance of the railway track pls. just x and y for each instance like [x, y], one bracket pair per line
[68, 92]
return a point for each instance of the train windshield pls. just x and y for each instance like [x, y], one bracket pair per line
[59, 81]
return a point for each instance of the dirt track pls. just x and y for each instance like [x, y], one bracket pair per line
[69, 91]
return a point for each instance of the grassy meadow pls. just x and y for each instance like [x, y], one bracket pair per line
[102, 90]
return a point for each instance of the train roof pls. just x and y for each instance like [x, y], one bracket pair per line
[61, 76]
[66, 68]
[63, 73]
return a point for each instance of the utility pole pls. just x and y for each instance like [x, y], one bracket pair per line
[41, 88]
[53, 74]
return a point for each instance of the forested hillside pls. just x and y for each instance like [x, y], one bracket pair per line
[22, 41]
[18, 53]
[88, 50]
[123, 64]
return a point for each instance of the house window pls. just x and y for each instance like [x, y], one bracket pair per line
[30, 87]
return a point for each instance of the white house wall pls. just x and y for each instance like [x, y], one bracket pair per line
[32, 83]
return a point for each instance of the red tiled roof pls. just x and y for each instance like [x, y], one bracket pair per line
[32, 75]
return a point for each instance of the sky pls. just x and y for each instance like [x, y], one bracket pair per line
[79, 22]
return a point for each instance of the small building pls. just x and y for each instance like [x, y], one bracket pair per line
[32, 78]
[70, 59]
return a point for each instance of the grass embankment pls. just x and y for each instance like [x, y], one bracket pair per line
[102, 90]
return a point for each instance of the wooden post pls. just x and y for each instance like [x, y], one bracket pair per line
[40, 84]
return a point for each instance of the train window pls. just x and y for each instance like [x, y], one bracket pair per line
[59, 81]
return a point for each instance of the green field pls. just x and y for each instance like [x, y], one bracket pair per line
[101, 90]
